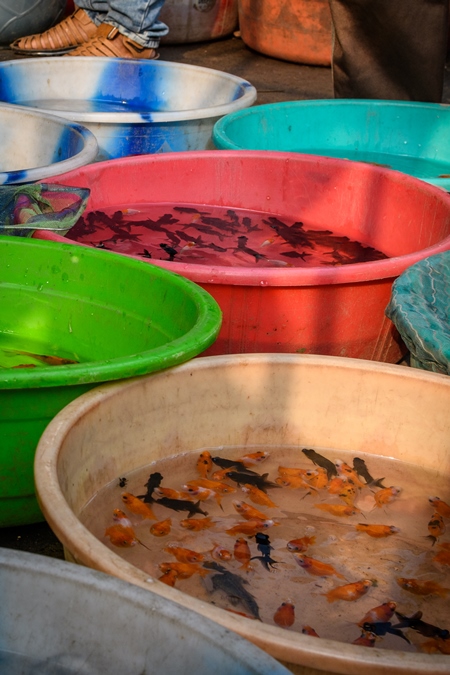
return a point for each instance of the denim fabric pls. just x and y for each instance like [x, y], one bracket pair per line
[137, 19]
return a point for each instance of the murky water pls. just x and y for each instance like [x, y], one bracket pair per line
[275, 575]
[213, 235]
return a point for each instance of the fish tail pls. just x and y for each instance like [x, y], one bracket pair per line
[433, 539]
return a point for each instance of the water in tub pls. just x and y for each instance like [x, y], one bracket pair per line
[215, 235]
[347, 547]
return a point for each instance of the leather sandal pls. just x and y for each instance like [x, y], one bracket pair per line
[65, 36]
[109, 41]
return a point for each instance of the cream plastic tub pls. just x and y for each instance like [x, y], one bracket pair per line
[301, 400]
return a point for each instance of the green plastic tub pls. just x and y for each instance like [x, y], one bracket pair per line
[401, 135]
[118, 317]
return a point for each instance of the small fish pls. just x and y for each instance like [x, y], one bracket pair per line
[197, 524]
[136, 506]
[300, 545]
[336, 484]
[317, 479]
[154, 481]
[249, 527]
[349, 592]
[265, 548]
[380, 613]
[346, 470]
[316, 567]
[233, 586]
[170, 493]
[169, 578]
[220, 474]
[436, 646]
[321, 461]
[340, 510]
[184, 570]
[122, 482]
[261, 482]
[43, 358]
[184, 554]
[361, 469]
[202, 494]
[247, 511]
[308, 630]
[285, 615]
[121, 517]
[229, 463]
[121, 536]
[436, 527]
[386, 495]
[182, 505]
[242, 246]
[258, 496]
[348, 494]
[380, 628]
[242, 553]
[443, 557]
[254, 458]
[377, 531]
[162, 528]
[293, 482]
[422, 588]
[441, 507]
[171, 252]
[204, 463]
[426, 629]
[221, 553]
[292, 471]
[366, 639]
[217, 486]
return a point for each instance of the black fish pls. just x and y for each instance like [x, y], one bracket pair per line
[145, 254]
[233, 586]
[247, 223]
[321, 461]
[188, 209]
[122, 482]
[426, 629]
[154, 481]
[294, 235]
[296, 254]
[242, 246]
[181, 505]
[230, 464]
[380, 628]
[261, 482]
[361, 469]
[171, 252]
[264, 547]
[220, 223]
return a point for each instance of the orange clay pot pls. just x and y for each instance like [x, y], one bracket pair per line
[293, 30]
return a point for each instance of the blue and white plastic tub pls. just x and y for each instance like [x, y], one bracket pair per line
[133, 107]
[36, 146]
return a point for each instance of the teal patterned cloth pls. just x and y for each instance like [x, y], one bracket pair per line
[40, 206]
[420, 309]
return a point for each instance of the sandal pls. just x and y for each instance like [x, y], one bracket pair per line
[109, 41]
[62, 38]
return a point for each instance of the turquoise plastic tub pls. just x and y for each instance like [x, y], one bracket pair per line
[410, 137]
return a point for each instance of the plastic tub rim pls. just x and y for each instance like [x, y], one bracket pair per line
[294, 276]
[85, 156]
[336, 656]
[204, 332]
[247, 99]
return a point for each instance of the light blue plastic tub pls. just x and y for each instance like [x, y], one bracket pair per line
[36, 146]
[410, 137]
[133, 107]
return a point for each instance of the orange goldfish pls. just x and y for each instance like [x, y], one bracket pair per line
[221, 474]
[247, 511]
[285, 615]
[338, 509]
[162, 528]
[377, 531]
[220, 553]
[443, 557]
[217, 486]
[316, 567]
[44, 358]
[291, 471]
[317, 478]
[202, 494]
[436, 645]
[204, 463]
[184, 554]
[301, 544]
[242, 553]
[336, 484]
[348, 494]
[436, 527]
[349, 592]
[258, 496]
[250, 527]
[307, 630]
[366, 639]
[197, 524]
[379, 614]
[344, 469]
[254, 458]
[121, 536]
[169, 577]
[386, 495]
[440, 506]
[121, 517]
[137, 507]
[422, 588]
[293, 482]
[184, 570]
[161, 492]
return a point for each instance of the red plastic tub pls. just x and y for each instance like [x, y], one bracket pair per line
[334, 310]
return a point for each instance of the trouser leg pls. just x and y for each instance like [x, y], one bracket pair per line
[389, 49]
